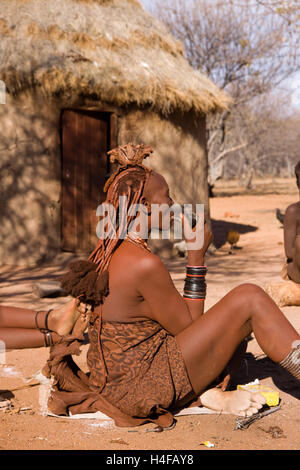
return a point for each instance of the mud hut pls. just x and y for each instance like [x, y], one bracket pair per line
[82, 76]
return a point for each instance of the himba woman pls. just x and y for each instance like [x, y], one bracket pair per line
[152, 350]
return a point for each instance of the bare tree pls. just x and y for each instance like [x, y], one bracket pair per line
[247, 47]
[287, 9]
[273, 140]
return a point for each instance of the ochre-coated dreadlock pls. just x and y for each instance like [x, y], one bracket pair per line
[88, 280]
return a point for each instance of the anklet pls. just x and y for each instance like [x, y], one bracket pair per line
[48, 341]
[46, 318]
[36, 317]
[292, 361]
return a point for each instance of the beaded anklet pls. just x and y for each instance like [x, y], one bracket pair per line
[48, 341]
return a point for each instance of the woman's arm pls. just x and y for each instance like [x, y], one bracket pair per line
[290, 230]
[167, 306]
[196, 307]
[197, 258]
[157, 288]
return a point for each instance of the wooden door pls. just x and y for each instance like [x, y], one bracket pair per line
[85, 142]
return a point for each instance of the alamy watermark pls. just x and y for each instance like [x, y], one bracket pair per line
[2, 353]
[2, 92]
[160, 221]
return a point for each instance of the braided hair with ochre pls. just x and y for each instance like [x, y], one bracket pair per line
[88, 279]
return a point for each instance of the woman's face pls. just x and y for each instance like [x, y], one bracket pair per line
[158, 201]
[297, 173]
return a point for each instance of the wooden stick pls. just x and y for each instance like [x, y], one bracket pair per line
[245, 422]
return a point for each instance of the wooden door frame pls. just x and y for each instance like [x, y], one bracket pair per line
[112, 137]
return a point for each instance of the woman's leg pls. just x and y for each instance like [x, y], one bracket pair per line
[20, 328]
[208, 344]
[233, 366]
[23, 338]
[15, 317]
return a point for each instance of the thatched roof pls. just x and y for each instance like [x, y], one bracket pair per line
[111, 50]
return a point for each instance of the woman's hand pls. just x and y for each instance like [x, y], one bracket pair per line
[198, 244]
[208, 237]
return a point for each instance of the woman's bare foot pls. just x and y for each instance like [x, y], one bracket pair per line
[237, 402]
[62, 319]
[80, 326]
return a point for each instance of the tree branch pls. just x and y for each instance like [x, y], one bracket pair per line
[227, 151]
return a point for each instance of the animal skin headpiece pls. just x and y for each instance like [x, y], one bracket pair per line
[128, 155]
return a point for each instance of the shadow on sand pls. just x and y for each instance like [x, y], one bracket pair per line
[220, 229]
[261, 368]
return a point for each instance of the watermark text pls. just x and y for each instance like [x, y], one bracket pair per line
[159, 221]
[2, 92]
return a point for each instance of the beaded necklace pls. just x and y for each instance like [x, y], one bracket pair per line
[134, 238]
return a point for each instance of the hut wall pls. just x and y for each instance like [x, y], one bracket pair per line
[30, 169]
[179, 143]
[30, 180]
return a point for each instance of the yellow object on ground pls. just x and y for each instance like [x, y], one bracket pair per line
[271, 396]
[208, 444]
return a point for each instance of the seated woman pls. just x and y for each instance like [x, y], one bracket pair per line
[151, 349]
[292, 236]
[287, 292]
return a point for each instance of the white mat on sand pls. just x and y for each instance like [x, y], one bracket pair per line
[103, 419]
[45, 388]
[195, 410]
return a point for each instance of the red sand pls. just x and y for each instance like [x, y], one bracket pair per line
[258, 260]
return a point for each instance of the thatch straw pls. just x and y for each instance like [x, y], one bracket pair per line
[110, 50]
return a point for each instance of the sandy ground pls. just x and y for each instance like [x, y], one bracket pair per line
[258, 259]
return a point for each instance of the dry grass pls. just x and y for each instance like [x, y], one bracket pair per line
[111, 50]
[260, 186]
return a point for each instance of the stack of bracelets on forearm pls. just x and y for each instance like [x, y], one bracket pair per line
[195, 285]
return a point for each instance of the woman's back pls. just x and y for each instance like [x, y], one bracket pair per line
[124, 302]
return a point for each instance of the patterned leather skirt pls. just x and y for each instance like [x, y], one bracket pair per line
[138, 367]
